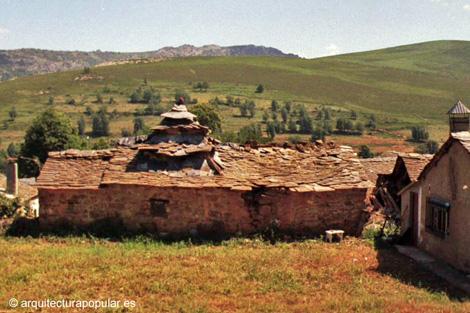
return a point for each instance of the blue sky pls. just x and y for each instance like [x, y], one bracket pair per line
[310, 28]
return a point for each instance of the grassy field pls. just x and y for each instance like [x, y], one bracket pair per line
[403, 86]
[240, 275]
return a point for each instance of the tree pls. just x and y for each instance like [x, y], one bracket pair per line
[50, 131]
[260, 89]
[100, 125]
[250, 132]
[340, 124]
[327, 114]
[348, 125]
[288, 106]
[81, 126]
[51, 100]
[284, 115]
[292, 127]
[271, 130]
[208, 115]
[305, 121]
[12, 113]
[318, 134]
[365, 152]
[353, 115]
[229, 100]
[111, 100]
[12, 150]
[145, 81]
[320, 115]
[265, 117]
[89, 110]
[359, 127]
[136, 97]
[86, 70]
[205, 86]
[139, 125]
[251, 108]
[99, 98]
[274, 105]
[419, 134]
[244, 108]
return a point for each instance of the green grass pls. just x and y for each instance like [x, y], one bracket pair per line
[402, 86]
[240, 275]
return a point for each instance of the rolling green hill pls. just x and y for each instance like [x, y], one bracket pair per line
[401, 86]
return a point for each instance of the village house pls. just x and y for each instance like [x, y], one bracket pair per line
[435, 207]
[407, 168]
[180, 181]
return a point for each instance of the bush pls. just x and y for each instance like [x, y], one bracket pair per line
[208, 115]
[419, 134]
[365, 152]
[250, 132]
[260, 89]
[430, 146]
[8, 207]
[295, 139]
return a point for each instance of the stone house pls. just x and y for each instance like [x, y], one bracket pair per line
[180, 181]
[435, 206]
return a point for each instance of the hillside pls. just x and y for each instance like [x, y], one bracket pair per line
[402, 87]
[23, 62]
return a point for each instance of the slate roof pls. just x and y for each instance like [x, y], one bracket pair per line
[373, 167]
[415, 163]
[179, 112]
[74, 169]
[315, 169]
[459, 108]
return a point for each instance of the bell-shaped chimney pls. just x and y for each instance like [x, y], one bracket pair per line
[459, 118]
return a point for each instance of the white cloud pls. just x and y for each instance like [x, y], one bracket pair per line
[332, 49]
[466, 7]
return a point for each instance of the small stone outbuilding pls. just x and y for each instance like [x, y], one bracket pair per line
[180, 181]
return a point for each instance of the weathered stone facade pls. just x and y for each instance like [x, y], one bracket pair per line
[204, 211]
[179, 181]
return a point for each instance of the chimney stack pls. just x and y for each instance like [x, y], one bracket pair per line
[459, 118]
[12, 176]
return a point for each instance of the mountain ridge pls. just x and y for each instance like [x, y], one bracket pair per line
[30, 61]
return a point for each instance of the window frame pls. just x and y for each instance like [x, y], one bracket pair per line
[438, 217]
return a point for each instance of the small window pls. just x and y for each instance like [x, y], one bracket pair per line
[70, 207]
[437, 217]
[158, 208]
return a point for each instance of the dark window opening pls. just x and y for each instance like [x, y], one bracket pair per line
[437, 217]
[158, 208]
[70, 207]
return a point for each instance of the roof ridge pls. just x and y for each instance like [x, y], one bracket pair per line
[459, 108]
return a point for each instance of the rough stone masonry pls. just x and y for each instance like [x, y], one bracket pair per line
[179, 181]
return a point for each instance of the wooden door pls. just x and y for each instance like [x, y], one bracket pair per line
[414, 217]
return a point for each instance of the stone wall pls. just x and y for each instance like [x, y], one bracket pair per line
[207, 211]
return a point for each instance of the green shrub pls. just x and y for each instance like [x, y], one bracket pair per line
[8, 207]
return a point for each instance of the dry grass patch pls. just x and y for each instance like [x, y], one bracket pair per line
[233, 276]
